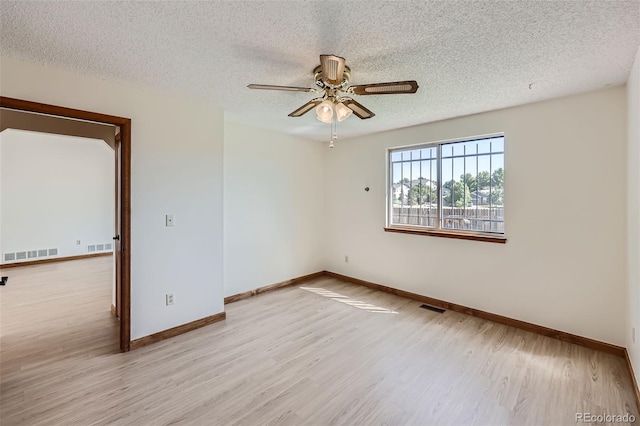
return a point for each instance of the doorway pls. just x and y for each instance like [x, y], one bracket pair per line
[122, 171]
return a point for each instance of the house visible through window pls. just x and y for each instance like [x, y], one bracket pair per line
[449, 186]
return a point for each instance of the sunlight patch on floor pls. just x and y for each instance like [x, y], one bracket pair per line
[349, 301]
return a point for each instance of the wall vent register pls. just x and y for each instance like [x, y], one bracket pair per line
[48, 253]
[29, 254]
[93, 248]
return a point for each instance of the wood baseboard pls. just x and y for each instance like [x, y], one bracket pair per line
[260, 290]
[113, 311]
[54, 259]
[533, 328]
[634, 382]
[175, 331]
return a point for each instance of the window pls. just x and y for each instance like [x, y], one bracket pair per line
[452, 187]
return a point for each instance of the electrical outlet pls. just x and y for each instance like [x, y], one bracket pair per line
[77, 242]
[633, 334]
[346, 259]
[169, 299]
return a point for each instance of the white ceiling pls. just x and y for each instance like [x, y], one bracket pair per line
[467, 57]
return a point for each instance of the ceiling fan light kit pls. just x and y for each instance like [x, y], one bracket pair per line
[324, 111]
[343, 112]
[332, 82]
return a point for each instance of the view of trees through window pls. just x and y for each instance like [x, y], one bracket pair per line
[471, 193]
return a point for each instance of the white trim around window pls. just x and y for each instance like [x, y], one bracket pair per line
[453, 188]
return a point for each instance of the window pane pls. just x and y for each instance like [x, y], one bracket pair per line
[428, 153]
[395, 173]
[497, 192]
[406, 172]
[458, 148]
[470, 147]
[471, 192]
[497, 145]
[484, 146]
[473, 189]
[497, 161]
[416, 171]
[413, 195]
[469, 178]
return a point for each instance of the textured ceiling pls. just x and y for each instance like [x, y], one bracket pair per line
[467, 57]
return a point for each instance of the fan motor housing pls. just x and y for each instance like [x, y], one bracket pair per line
[346, 75]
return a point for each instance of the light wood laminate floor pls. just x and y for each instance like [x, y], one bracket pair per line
[328, 353]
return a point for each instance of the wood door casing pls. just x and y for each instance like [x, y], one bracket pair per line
[117, 246]
[124, 215]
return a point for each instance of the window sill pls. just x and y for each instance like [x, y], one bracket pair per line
[461, 235]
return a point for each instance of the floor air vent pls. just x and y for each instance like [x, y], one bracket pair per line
[432, 308]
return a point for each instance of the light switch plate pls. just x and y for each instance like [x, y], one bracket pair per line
[169, 220]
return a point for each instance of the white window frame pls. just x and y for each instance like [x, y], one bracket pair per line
[438, 230]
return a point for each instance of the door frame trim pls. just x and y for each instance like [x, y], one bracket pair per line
[125, 188]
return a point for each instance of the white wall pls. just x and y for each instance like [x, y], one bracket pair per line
[633, 214]
[273, 207]
[566, 274]
[56, 190]
[177, 148]
[564, 264]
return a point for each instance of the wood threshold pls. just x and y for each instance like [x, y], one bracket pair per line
[533, 328]
[634, 382]
[448, 234]
[271, 287]
[54, 259]
[175, 331]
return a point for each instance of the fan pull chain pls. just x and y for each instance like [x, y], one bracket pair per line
[334, 133]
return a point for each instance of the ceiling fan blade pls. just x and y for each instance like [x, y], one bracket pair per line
[385, 88]
[332, 69]
[358, 109]
[272, 87]
[306, 108]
